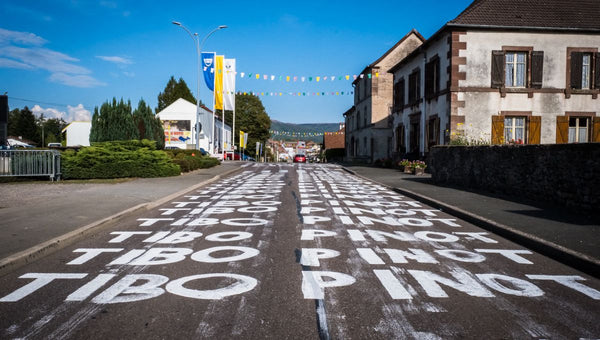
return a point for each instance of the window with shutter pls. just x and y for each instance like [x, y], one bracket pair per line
[515, 69]
[497, 129]
[579, 129]
[537, 69]
[535, 127]
[514, 130]
[402, 91]
[562, 129]
[429, 79]
[576, 69]
[497, 69]
[414, 87]
[399, 94]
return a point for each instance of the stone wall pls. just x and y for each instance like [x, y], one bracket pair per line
[566, 174]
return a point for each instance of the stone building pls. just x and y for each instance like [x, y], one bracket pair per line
[368, 125]
[503, 71]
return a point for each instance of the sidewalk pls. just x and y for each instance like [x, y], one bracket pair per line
[568, 237]
[34, 213]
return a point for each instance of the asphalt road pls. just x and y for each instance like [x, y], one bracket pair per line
[297, 252]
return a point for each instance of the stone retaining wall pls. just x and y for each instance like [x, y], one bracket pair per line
[567, 174]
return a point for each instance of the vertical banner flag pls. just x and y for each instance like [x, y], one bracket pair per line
[219, 82]
[245, 139]
[242, 138]
[229, 84]
[208, 68]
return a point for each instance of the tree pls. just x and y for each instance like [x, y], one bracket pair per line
[22, 123]
[149, 126]
[51, 129]
[173, 91]
[113, 121]
[250, 117]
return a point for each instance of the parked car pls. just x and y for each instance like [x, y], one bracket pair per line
[300, 158]
[54, 145]
[236, 157]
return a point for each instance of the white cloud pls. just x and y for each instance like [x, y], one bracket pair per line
[78, 80]
[48, 112]
[45, 59]
[25, 38]
[79, 113]
[63, 68]
[8, 63]
[115, 59]
[73, 113]
[129, 74]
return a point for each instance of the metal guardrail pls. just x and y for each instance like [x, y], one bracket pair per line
[15, 163]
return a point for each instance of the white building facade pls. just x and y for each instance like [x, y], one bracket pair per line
[78, 133]
[513, 76]
[179, 123]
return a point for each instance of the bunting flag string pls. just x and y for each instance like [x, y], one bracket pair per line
[303, 79]
[303, 134]
[297, 94]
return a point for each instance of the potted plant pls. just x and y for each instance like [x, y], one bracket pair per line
[406, 165]
[419, 167]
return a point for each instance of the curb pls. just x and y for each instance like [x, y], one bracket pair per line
[552, 250]
[27, 256]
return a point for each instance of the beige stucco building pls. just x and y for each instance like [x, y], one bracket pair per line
[503, 71]
[368, 124]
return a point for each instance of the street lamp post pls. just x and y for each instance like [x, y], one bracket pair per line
[199, 45]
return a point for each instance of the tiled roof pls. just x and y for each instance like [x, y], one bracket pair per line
[553, 14]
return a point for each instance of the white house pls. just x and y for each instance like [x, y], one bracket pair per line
[78, 133]
[179, 122]
[503, 71]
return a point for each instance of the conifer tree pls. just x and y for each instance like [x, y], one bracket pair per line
[173, 91]
[114, 121]
[149, 126]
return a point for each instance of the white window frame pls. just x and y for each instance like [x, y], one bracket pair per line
[586, 67]
[513, 129]
[515, 64]
[577, 127]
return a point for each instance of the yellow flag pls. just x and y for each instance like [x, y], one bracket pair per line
[219, 83]
[242, 139]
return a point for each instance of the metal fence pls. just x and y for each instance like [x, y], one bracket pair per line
[15, 163]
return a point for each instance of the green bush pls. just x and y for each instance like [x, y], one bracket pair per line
[118, 159]
[189, 160]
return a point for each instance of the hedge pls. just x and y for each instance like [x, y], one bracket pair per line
[189, 160]
[118, 159]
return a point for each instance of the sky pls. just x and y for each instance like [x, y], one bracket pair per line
[62, 58]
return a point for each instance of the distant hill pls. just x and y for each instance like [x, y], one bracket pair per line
[313, 132]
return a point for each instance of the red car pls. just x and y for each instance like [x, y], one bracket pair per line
[299, 158]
